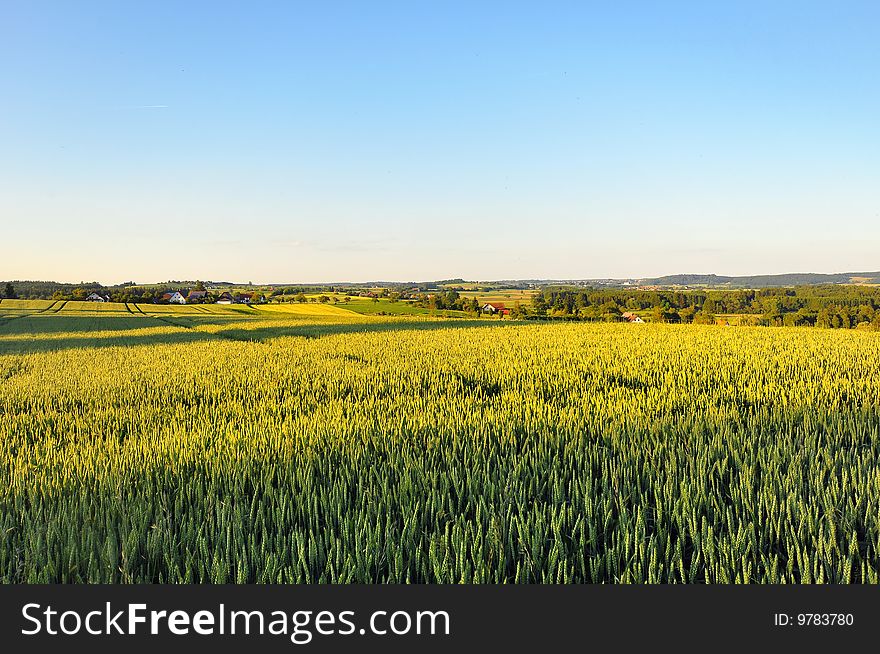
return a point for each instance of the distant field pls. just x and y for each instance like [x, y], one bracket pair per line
[308, 310]
[510, 297]
[369, 307]
[224, 308]
[864, 281]
[23, 305]
[400, 308]
[94, 307]
[194, 309]
[167, 308]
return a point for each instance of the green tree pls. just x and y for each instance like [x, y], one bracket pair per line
[661, 314]
[688, 314]
[709, 306]
[610, 311]
[9, 291]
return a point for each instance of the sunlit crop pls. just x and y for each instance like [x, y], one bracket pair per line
[200, 449]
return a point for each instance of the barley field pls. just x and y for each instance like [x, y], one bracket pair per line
[221, 447]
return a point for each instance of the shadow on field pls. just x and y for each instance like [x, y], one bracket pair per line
[70, 322]
[33, 335]
[319, 330]
[32, 343]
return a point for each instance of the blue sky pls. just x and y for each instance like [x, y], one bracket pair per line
[293, 141]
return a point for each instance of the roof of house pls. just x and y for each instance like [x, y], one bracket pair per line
[495, 305]
[198, 293]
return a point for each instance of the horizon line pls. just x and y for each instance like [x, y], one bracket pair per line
[444, 279]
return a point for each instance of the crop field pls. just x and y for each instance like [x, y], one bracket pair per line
[25, 305]
[295, 309]
[400, 308]
[276, 446]
[370, 307]
[506, 296]
[190, 309]
[73, 306]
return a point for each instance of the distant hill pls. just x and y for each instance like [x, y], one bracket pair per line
[46, 289]
[762, 281]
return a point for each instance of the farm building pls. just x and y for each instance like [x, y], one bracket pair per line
[250, 298]
[174, 298]
[225, 298]
[629, 316]
[94, 297]
[196, 296]
[493, 307]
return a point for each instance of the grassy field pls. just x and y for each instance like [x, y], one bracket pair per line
[335, 447]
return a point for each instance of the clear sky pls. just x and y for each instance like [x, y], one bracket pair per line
[318, 141]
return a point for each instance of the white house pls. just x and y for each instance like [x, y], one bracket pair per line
[174, 298]
[94, 297]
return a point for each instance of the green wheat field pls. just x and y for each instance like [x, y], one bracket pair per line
[295, 444]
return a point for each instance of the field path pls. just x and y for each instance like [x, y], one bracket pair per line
[49, 308]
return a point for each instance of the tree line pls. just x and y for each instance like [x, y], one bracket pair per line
[829, 306]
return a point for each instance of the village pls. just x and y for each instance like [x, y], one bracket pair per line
[493, 309]
[196, 296]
